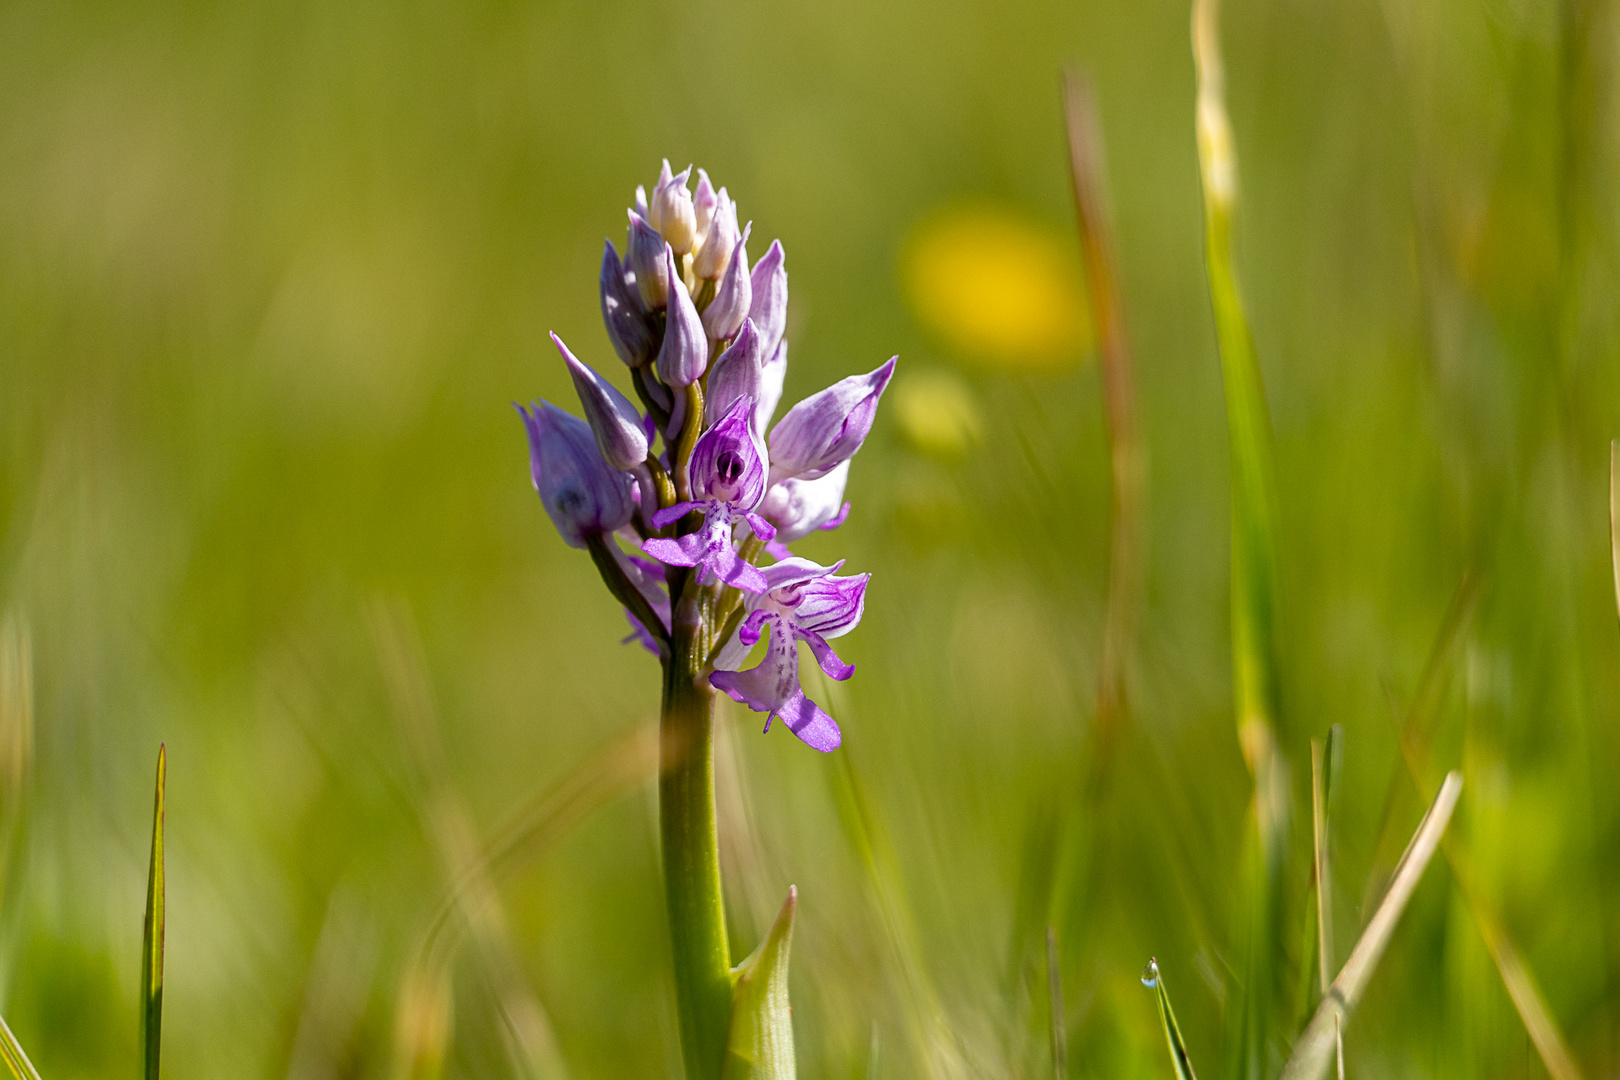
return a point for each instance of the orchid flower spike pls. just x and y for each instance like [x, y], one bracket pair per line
[827, 428]
[621, 433]
[581, 493]
[804, 602]
[728, 472]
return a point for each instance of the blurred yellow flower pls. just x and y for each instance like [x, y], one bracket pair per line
[999, 289]
[937, 411]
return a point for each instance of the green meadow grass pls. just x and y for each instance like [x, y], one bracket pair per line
[1332, 467]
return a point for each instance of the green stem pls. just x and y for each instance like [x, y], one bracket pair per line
[697, 920]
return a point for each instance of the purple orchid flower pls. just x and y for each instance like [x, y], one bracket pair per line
[801, 602]
[727, 470]
[725, 314]
[620, 430]
[622, 313]
[800, 507]
[580, 492]
[827, 428]
[644, 255]
[685, 351]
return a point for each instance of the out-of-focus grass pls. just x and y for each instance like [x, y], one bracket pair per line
[270, 276]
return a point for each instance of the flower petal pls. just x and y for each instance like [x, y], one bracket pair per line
[829, 661]
[806, 720]
[832, 606]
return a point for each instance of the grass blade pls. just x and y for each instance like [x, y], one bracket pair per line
[1167, 1018]
[1315, 1049]
[11, 1052]
[1325, 760]
[1086, 164]
[1253, 573]
[152, 945]
[1614, 515]
[1054, 999]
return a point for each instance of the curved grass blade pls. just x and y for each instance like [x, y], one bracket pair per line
[1315, 1049]
[152, 945]
[11, 1052]
[1167, 1018]
[1614, 515]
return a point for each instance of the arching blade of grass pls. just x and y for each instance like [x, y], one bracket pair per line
[152, 945]
[1315, 1048]
[17, 1063]
[1253, 584]
[1326, 758]
[1167, 1018]
[1614, 515]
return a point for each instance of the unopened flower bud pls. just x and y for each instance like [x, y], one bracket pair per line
[622, 313]
[799, 507]
[737, 372]
[581, 494]
[712, 258]
[768, 308]
[827, 428]
[641, 201]
[704, 201]
[621, 434]
[685, 352]
[645, 254]
[725, 314]
[672, 212]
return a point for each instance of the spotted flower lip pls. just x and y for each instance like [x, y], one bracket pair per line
[802, 601]
[685, 351]
[622, 313]
[727, 470]
[582, 495]
[621, 434]
[827, 428]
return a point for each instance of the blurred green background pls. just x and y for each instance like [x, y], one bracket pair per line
[271, 274]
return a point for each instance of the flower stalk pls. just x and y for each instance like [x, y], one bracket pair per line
[691, 852]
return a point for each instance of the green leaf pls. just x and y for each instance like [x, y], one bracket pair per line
[761, 1043]
[152, 945]
[1253, 585]
[1167, 1018]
